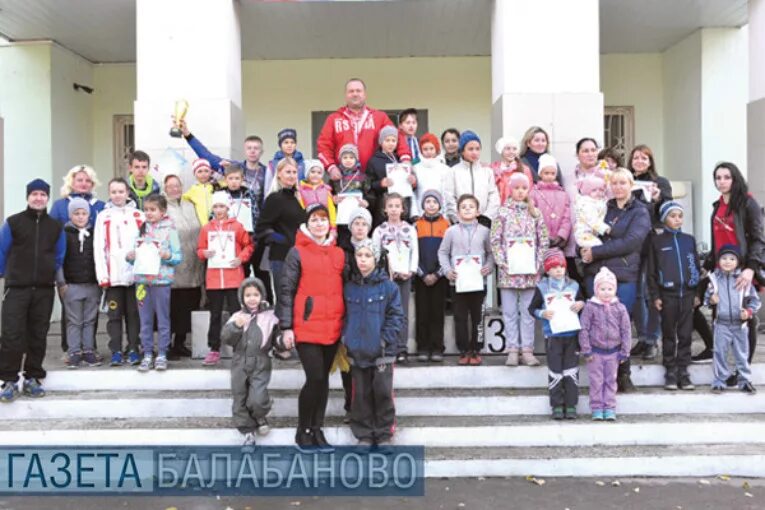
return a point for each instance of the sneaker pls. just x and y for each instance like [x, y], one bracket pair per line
[212, 359]
[557, 413]
[475, 359]
[684, 382]
[512, 359]
[638, 349]
[347, 417]
[321, 442]
[571, 413]
[90, 359]
[704, 356]
[304, 441]
[717, 388]
[74, 361]
[133, 358]
[437, 357]
[651, 351]
[145, 365]
[116, 359]
[609, 415]
[597, 415]
[32, 388]
[670, 382]
[464, 359]
[732, 381]
[161, 362]
[249, 439]
[9, 392]
[402, 357]
[747, 387]
[528, 358]
[263, 427]
[423, 357]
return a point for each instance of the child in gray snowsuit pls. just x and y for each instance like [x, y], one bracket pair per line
[734, 309]
[252, 332]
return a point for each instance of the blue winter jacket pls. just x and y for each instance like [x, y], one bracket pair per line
[620, 251]
[59, 211]
[373, 319]
[674, 268]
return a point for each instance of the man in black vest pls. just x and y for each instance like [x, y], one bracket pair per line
[32, 247]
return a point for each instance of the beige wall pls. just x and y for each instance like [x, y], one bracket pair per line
[635, 79]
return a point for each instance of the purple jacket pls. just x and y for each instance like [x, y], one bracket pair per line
[555, 205]
[605, 329]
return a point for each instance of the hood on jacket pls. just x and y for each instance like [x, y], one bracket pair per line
[305, 239]
[376, 276]
[258, 284]
[130, 203]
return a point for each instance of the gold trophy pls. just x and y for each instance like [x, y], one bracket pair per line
[181, 108]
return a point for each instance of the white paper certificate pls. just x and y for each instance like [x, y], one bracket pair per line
[398, 258]
[241, 209]
[469, 277]
[147, 260]
[224, 245]
[564, 319]
[399, 174]
[346, 206]
[520, 256]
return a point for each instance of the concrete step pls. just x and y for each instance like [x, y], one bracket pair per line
[582, 433]
[71, 405]
[430, 376]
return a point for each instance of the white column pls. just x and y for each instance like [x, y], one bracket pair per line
[189, 49]
[545, 59]
[756, 106]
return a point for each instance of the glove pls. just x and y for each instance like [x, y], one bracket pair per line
[277, 238]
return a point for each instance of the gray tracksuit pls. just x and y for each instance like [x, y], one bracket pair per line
[250, 365]
[730, 332]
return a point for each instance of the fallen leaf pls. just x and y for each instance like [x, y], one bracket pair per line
[724, 477]
[748, 494]
[616, 483]
[704, 482]
[461, 505]
[636, 489]
[600, 484]
[538, 481]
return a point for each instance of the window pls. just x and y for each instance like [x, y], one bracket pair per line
[619, 127]
[124, 143]
[318, 118]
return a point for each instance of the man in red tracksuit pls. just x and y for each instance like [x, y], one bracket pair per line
[358, 124]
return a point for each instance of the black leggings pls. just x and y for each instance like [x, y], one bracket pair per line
[312, 402]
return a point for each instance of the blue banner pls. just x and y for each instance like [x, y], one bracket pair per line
[218, 470]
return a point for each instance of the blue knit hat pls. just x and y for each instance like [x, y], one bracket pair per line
[729, 249]
[38, 185]
[465, 137]
[286, 133]
[668, 207]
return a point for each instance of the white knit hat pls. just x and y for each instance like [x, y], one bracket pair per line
[504, 142]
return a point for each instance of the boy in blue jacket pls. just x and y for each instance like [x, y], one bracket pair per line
[373, 321]
[674, 272]
[562, 346]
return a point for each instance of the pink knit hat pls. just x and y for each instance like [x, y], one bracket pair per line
[590, 183]
[517, 178]
[604, 276]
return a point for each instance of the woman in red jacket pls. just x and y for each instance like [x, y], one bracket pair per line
[310, 308]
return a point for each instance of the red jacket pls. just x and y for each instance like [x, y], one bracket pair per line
[310, 298]
[230, 278]
[338, 131]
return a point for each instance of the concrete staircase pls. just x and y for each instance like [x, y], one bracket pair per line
[473, 421]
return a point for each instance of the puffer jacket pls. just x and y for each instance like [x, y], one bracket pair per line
[310, 293]
[732, 301]
[309, 194]
[673, 264]
[201, 196]
[162, 233]
[502, 176]
[477, 179]
[113, 237]
[513, 223]
[605, 328]
[229, 278]
[622, 246]
[79, 263]
[433, 174]
[553, 201]
[373, 320]
[189, 274]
